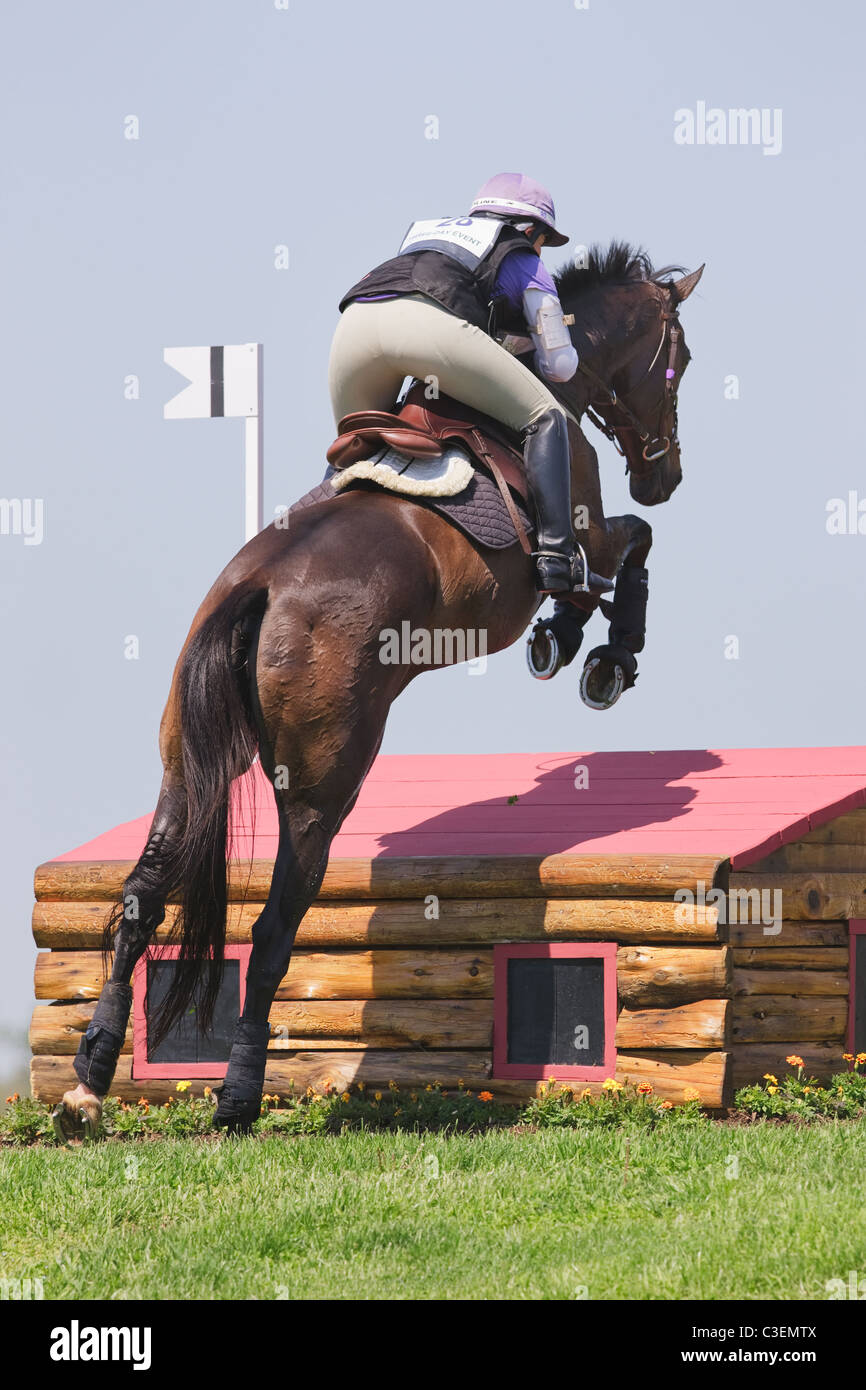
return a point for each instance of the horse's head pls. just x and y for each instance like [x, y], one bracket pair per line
[633, 355]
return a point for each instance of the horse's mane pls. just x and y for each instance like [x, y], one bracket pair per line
[599, 268]
[617, 264]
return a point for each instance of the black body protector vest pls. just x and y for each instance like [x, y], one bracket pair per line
[454, 260]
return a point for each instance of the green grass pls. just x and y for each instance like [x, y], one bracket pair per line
[629, 1214]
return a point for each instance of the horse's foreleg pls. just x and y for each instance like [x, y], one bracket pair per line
[612, 668]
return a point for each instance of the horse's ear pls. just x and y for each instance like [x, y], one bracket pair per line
[683, 288]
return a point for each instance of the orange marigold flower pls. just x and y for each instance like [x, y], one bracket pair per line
[794, 1060]
[208, 1091]
[378, 1095]
[847, 1056]
[861, 1058]
[345, 1097]
[586, 1093]
[667, 1105]
[691, 1093]
[485, 1096]
[392, 1086]
[768, 1076]
[645, 1089]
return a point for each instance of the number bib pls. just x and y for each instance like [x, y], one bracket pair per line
[466, 239]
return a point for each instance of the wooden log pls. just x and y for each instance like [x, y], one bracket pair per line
[450, 876]
[771, 1018]
[50, 1076]
[78, 925]
[803, 983]
[847, 829]
[804, 897]
[339, 1024]
[665, 975]
[674, 1074]
[382, 974]
[56, 1029]
[646, 975]
[670, 1073]
[805, 857]
[791, 934]
[704, 1024]
[792, 958]
[437, 1023]
[752, 1061]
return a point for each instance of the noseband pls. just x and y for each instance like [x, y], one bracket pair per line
[656, 444]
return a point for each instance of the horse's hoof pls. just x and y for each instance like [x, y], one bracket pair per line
[236, 1116]
[607, 673]
[554, 642]
[543, 656]
[76, 1118]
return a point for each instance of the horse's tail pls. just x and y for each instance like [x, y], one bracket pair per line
[219, 740]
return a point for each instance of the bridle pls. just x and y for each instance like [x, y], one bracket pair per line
[656, 443]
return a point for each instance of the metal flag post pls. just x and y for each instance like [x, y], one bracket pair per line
[226, 381]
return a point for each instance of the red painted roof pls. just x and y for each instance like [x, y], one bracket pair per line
[735, 803]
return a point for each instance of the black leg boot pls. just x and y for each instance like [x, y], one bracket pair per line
[547, 458]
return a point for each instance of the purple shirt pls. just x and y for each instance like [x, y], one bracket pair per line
[523, 270]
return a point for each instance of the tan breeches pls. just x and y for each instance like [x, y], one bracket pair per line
[378, 343]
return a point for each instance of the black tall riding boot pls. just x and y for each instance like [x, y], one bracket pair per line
[547, 458]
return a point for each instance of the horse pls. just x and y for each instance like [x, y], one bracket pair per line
[284, 661]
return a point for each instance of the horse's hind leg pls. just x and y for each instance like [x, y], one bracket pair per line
[307, 825]
[298, 871]
[136, 918]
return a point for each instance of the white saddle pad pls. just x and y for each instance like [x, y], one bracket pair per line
[442, 477]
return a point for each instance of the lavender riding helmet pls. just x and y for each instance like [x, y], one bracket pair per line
[517, 195]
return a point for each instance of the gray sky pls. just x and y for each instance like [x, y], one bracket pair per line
[305, 126]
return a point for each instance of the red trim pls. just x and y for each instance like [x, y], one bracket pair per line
[142, 1069]
[856, 927]
[502, 1068]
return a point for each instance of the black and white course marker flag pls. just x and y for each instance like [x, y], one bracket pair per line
[225, 381]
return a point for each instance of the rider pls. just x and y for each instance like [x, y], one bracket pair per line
[433, 310]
